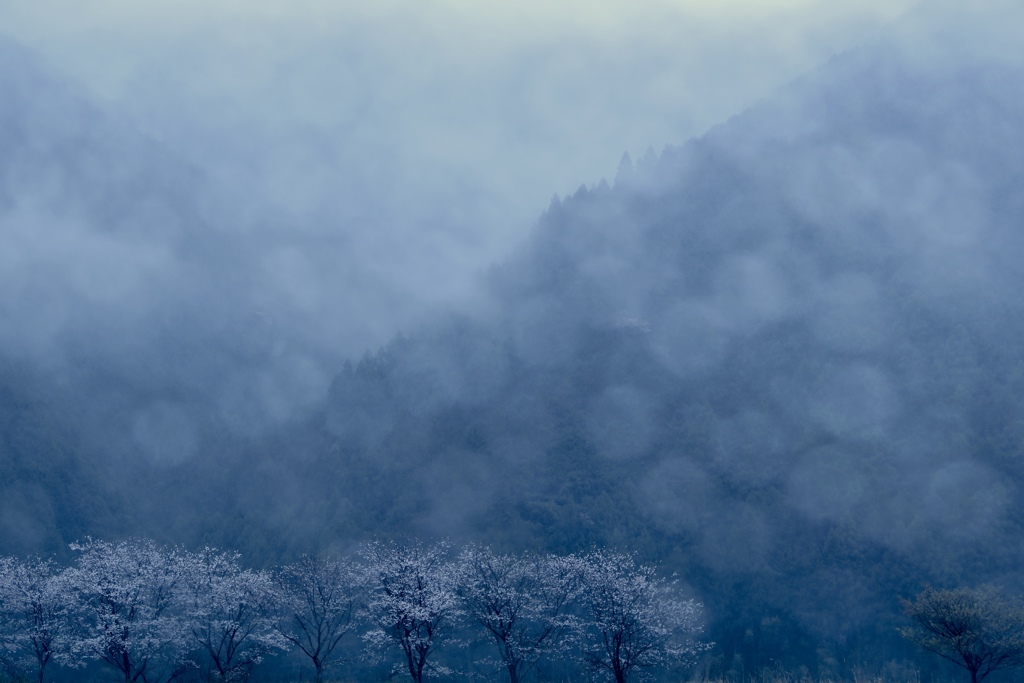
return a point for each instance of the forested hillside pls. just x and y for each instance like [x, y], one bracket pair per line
[782, 360]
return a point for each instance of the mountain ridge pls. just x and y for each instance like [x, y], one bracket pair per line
[781, 359]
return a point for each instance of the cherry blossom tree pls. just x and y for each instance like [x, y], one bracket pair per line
[413, 603]
[128, 593]
[231, 613]
[521, 602]
[36, 603]
[635, 620]
[320, 604]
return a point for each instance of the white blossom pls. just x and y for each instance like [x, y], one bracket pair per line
[231, 613]
[636, 620]
[413, 601]
[521, 602]
[128, 593]
[36, 604]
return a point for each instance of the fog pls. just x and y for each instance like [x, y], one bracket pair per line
[782, 351]
[375, 157]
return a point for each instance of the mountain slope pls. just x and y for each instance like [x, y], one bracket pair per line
[783, 359]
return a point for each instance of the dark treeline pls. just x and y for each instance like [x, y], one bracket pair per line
[143, 613]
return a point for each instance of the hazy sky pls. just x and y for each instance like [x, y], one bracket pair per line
[383, 153]
[497, 103]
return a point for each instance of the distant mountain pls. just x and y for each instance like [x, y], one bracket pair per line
[62, 151]
[782, 360]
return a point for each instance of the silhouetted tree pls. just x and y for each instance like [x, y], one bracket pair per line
[321, 598]
[978, 629]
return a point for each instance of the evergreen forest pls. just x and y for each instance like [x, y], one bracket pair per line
[780, 363]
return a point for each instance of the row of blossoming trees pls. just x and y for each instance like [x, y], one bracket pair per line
[152, 614]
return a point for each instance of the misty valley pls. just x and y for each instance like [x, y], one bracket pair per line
[760, 398]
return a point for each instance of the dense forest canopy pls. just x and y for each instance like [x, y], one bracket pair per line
[781, 360]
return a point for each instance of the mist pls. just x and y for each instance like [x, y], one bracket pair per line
[285, 188]
[387, 155]
[289, 278]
